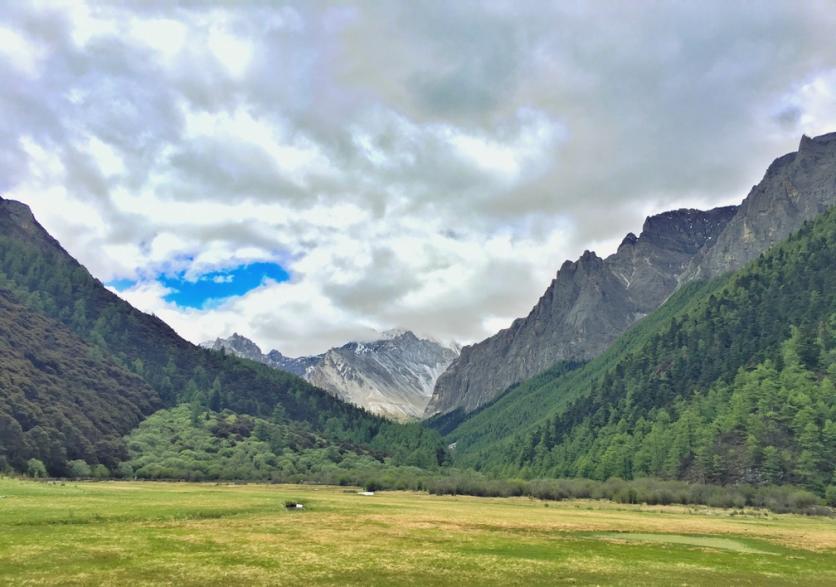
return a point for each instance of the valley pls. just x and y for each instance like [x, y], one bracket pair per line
[417, 293]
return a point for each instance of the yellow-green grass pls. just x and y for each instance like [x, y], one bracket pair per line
[124, 533]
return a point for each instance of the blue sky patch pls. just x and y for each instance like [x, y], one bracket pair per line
[213, 286]
[121, 284]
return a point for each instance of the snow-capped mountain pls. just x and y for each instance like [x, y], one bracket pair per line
[392, 373]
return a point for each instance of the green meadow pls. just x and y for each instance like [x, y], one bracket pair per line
[129, 533]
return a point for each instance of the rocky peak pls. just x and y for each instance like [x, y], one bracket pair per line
[17, 218]
[18, 210]
[796, 187]
[393, 374]
[629, 240]
[238, 345]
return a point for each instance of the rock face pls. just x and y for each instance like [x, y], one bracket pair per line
[392, 375]
[797, 187]
[593, 301]
[587, 306]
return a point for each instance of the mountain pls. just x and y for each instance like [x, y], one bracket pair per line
[243, 347]
[47, 282]
[393, 377]
[392, 373]
[731, 380]
[592, 301]
[588, 304]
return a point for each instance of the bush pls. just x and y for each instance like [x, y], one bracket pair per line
[830, 495]
[35, 468]
[779, 499]
[125, 471]
[78, 469]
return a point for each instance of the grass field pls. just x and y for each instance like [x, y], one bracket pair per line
[122, 533]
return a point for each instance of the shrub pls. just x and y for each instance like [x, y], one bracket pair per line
[78, 469]
[830, 495]
[35, 468]
[125, 471]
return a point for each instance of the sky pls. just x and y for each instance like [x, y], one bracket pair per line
[304, 173]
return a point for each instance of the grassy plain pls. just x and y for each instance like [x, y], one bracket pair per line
[126, 533]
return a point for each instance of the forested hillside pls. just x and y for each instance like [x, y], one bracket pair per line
[729, 381]
[48, 281]
[60, 398]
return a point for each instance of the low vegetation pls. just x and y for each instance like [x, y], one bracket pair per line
[189, 443]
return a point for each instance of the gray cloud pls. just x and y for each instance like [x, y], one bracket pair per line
[553, 125]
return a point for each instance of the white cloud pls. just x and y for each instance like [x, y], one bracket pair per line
[107, 158]
[165, 35]
[233, 52]
[19, 52]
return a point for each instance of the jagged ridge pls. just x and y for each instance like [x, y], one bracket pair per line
[593, 301]
[588, 304]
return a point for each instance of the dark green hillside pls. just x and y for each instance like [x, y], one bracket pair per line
[60, 398]
[49, 281]
[662, 401]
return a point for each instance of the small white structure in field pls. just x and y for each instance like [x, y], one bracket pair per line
[299, 506]
[365, 492]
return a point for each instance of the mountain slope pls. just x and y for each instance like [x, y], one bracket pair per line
[392, 375]
[49, 281]
[706, 388]
[60, 398]
[588, 304]
[718, 395]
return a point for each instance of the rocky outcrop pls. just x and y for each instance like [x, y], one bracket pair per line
[588, 305]
[593, 301]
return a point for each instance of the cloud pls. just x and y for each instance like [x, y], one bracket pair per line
[422, 165]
